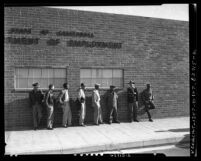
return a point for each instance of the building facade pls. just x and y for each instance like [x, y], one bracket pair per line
[48, 45]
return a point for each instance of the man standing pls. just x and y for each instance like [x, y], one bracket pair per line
[112, 105]
[65, 105]
[132, 97]
[81, 98]
[35, 97]
[147, 97]
[96, 105]
[49, 102]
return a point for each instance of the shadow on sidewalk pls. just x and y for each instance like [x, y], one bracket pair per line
[175, 130]
[184, 143]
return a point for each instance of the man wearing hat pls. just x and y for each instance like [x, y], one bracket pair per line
[81, 98]
[132, 97]
[112, 98]
[96, 105]
[65, 105]
[147, 97]
[35, 97]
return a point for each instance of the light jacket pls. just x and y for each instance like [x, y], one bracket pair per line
[95, 98]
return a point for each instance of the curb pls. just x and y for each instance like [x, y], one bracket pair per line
[112, 147]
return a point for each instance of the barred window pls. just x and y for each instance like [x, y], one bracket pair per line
[25, 77]
[105, 77]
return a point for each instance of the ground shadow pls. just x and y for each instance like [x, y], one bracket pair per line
[175, 130]
[184, 143]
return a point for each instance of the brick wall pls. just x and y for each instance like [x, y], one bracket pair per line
[153, 50]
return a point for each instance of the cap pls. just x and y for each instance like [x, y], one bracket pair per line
[65, 85]
[112, 86]
[131, 82]
[97, 84]
[35, 84]
[82, 84]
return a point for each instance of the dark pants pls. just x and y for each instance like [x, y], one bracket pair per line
[149, 105]
[133, 110]
[113, 114]
[37, 114]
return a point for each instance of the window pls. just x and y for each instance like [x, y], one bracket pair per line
[105, 77]
[25, 77]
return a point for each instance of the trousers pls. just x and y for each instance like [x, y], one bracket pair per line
[133, 110]
[67, 115]
[37, 114]
[147, 104]
[97, 114]
[82, 113]
[50, 116]
[113, 115]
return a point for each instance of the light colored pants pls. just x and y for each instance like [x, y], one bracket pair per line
[37, 114]
[50, 116]
[97, 114]
[67, 115]
[82, 113]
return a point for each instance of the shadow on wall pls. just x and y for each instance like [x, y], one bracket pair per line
[18, 114]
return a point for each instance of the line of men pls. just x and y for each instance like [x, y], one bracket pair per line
[38, 99]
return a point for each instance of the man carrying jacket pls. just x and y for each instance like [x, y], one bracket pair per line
[132, 97]
[147, 97]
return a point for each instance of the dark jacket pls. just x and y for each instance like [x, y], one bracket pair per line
[49, 98]
[147, 95]
[112, 98]
[132, 95]
[36, 97]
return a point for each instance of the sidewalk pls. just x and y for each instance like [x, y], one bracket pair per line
[98, 138]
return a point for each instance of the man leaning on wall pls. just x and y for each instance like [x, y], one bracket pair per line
[96, 105]
[35, 97]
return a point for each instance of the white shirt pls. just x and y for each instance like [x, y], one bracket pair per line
[66, 98]
[81, 94]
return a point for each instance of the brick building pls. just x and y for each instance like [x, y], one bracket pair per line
[50, 45]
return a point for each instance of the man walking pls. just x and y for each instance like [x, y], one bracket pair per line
[65, 105]
[147, 97]
[49, 102]
[96, 105]
[112, 105]
[35, 97]
[132, 97]
[81, 98]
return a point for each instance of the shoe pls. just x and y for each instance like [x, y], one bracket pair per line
[50, 128]
[136, 121]
[109, 122]
[64, 126]
[117, 121]
[150, 120]
[82, 125]
[131, 121]
[96, 124]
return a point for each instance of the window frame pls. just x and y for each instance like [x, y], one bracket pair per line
[104, 68]
[38, 67]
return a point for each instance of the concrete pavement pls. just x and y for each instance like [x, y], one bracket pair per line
[98, 138]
